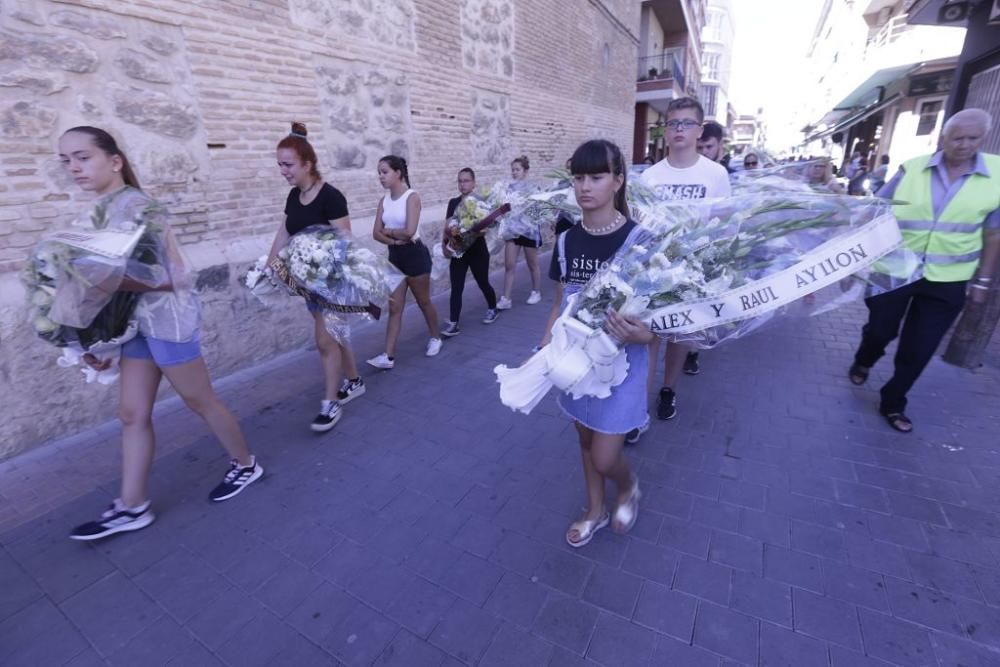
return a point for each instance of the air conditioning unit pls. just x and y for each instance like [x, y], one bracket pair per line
[954, 12]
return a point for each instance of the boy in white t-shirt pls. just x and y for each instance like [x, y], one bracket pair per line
[684, 174]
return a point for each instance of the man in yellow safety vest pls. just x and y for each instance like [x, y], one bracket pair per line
[950, 218]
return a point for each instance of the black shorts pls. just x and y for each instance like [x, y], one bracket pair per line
[525, 242]
[413, 259]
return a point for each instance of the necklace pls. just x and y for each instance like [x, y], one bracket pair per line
[610, 227]
[303, 193]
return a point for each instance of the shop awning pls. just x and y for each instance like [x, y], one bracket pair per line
[854, 118]
[868, 92]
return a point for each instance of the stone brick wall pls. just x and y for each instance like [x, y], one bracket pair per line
[199, 93]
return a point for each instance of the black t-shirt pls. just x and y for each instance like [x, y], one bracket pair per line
[329, 204]
[586, 253]
[452, 205]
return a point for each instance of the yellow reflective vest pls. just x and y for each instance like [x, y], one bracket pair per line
[950, 244]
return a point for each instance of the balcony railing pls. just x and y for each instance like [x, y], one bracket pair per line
[661, 66]
[890, 32]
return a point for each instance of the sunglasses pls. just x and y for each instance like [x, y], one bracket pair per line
[752, 163]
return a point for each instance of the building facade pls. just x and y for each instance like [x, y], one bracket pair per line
[199, 94]
[669, 67]
[881, 86]
[717, 61]
[749, 133]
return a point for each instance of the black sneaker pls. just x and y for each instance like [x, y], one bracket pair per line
[666, 405]
[236, 480]
[117, 519]
[691, 366]
[451, 330]
[632, 437]
[329, 415]
[350, 389]
[491, 316]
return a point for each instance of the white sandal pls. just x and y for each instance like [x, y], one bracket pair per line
[586, 529]
[627, 512]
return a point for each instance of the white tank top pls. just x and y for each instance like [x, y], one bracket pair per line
[394, 212]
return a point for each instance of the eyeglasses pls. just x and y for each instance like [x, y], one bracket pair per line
[751, 163]
[685, 124]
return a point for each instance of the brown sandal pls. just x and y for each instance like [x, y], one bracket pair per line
[899, 421]
[858, 374]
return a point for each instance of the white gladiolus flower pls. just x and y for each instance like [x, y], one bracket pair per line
[43, 324]
[40, 298]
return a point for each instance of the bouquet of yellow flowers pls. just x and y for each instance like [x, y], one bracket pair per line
[472, 217]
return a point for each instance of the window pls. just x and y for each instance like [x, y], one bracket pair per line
[928, 113]
[709, 95]
[710, 65]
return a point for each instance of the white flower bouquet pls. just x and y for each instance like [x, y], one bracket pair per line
[705, 271]
[527, 214]
[329, 270]
[74, 280]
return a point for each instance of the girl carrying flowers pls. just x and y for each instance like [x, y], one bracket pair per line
[167, 342]
[599, 185]
[312, 201]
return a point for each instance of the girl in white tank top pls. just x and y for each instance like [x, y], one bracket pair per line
[394, 212]
[396, 223]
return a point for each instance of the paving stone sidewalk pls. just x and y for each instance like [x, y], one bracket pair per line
[783, 523]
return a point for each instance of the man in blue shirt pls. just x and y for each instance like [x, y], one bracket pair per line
[954, 229]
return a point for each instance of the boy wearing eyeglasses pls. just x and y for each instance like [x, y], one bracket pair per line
[683, 174]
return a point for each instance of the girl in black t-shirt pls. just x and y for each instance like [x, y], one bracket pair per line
[599, 184]
[314, 202]
[477, 258]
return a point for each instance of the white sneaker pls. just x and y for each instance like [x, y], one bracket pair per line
[433, 347]
[534, 298]
[382, 361]
[504, 303]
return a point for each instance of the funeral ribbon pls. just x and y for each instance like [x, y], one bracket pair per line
[586, 362]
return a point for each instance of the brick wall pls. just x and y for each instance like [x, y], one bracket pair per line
[199, 93]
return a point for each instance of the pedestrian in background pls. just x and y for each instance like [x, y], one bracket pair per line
[877, 178]
[397, 220]
[950, 218]
[683, 174]
[710, 143]
[476, 259]
[519, 173]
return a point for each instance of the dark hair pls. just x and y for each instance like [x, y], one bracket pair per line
[109, 146]
[521, 160]
[397, 163]
[467, 170]
[297, 142]
[687, 103]
[751, 155]
[600, 156]
[885, 159]
[712, 130]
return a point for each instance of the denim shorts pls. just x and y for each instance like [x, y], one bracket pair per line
[161, 352]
